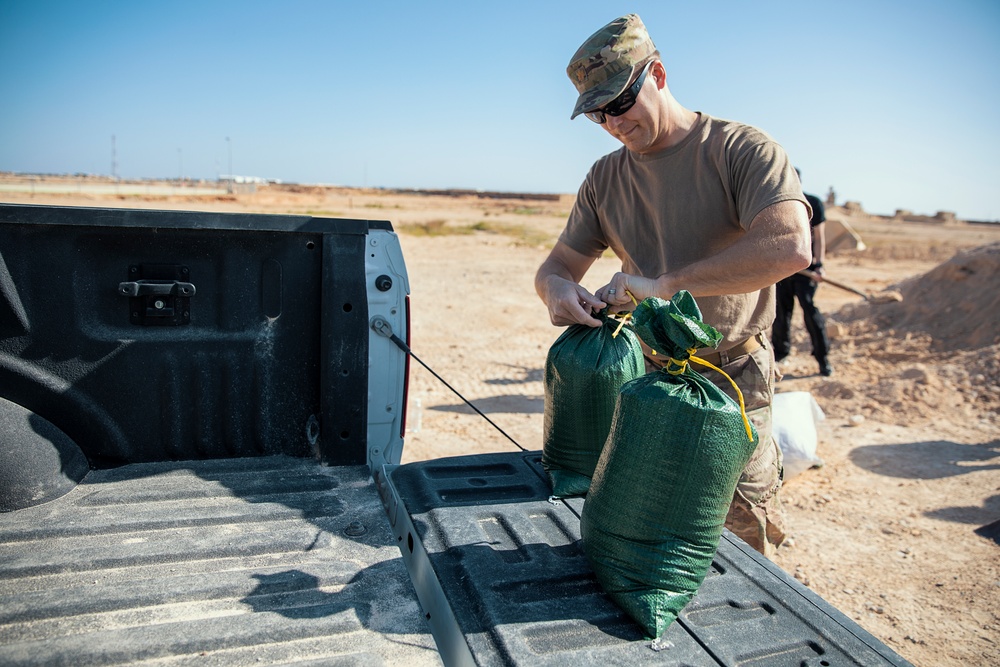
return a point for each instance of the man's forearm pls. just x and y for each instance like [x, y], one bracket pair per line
[729, 273]
[776, 246]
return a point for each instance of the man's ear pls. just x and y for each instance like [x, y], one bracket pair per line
[659, 73]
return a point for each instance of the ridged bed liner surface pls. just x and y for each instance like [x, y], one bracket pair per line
[511, 566]
[261, 561]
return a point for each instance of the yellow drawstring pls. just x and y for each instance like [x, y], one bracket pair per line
[626, 317]
[682, 366]
[621, 324]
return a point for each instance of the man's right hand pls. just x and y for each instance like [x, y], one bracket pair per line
[558, 285]
[569, 303]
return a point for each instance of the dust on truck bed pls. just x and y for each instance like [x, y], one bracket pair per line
[266, 561]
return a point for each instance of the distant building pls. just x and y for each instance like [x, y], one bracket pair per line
[256, 180]
[941, 217]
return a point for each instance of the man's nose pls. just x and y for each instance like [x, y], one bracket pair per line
[613, 122]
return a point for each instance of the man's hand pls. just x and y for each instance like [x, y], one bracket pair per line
[616, 293]
[557, 283]
[569, 303]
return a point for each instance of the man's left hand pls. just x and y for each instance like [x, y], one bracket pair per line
[616, 293]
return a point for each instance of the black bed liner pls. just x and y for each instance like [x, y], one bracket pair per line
[272, 560]
[509, 563]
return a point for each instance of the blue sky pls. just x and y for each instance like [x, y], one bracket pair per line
[893, 103]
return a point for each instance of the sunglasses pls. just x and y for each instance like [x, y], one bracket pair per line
[622, 103]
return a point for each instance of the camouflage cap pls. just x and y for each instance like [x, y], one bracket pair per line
[603, 66]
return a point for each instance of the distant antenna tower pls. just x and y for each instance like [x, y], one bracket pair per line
[114, 159]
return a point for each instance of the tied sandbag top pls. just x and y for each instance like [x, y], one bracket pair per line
[674, 328]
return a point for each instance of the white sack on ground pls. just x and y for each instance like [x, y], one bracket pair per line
[794, 416]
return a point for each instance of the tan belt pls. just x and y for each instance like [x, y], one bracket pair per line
[720, 359]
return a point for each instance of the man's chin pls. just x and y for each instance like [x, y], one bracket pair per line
[636, 146]
[635, 140]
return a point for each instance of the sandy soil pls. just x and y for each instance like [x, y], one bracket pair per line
[885, 530]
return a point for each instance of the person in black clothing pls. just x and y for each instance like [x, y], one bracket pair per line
[802, 288]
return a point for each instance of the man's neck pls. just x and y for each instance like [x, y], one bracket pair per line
[678, 124]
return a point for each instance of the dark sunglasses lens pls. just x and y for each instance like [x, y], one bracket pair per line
[596, 116]
[620, 104]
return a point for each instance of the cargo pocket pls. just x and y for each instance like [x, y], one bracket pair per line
[753, 373]
[761, 478]
[756, 515]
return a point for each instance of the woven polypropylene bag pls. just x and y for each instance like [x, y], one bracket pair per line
[584, 370]
[662, 488]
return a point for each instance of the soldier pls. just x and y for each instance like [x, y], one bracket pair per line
[688, 202]
[803, 289]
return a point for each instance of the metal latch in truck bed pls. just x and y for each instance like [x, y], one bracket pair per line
[159, 294]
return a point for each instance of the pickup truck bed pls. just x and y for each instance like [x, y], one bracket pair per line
[279, 560]
[201, 424]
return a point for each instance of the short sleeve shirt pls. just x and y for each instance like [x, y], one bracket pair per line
[662, 211]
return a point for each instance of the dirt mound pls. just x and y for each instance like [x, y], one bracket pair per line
[957, 303]
[933, 356]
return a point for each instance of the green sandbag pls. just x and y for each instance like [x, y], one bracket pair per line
[662, 488]
[584, 370]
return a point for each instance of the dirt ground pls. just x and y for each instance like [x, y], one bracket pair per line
[885, 530]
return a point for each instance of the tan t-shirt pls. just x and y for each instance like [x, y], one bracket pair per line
[660, 212]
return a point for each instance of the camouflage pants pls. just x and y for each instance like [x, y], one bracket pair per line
[755, 513]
